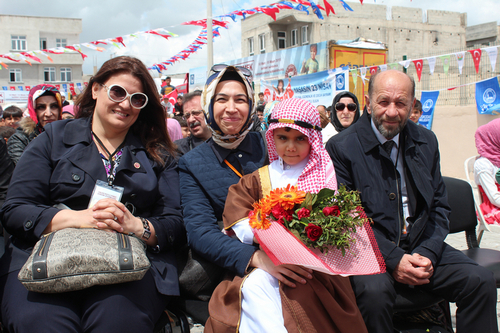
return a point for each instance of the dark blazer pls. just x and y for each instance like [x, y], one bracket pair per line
[62, 165]
[361, 163]
[205, 181]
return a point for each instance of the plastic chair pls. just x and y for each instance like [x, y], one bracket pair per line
[469, 174]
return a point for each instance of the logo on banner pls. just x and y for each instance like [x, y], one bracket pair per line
[428, 105]
[489, 96]
[340, 81]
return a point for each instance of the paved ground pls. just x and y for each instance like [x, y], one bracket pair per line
[490, 240]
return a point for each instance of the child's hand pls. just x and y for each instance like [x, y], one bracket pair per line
[284, 273]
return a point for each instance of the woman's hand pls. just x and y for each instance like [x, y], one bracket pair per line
[284, 273]
[112, 214]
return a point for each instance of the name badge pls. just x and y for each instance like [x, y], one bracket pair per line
[103, 190]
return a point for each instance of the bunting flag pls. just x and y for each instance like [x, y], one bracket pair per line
[460, 59]
[394, 65]
[28, 88]
[354, 75]
[79, 86]
[432, 64]
[419, 64]
[405, 63]
[373, 70]
[492, 54]
[383, 68]
[362, 70]
[20, 88]
[345, 5]
[12, 88]
[72, 88]
[446, 63]
[316, 10]
[58, 86]
[476, 56]
[429, 100]
[488, 96]
[65, 87]
[328, 8]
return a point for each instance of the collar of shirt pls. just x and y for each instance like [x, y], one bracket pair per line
[223, 153]
[301, 165]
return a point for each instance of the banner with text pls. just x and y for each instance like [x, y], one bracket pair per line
[488, 96]
[428, 99]
[318, 88]
[13, 96]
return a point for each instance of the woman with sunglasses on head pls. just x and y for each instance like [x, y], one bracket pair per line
[44, 107]
[345, 110]
[119, 141]
[207, 171]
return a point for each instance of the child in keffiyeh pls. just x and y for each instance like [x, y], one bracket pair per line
[284, 298]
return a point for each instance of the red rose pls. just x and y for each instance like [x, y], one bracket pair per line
[313, 232]
[288, 214]
[278, 212]
[334, 211]
[303, 212]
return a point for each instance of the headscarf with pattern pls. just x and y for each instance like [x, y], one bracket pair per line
[42, 90]
[207, 103]
[488, 141]
[319, 172]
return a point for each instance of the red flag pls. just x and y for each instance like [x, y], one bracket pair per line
[11, 59]
[418, 66]
[271, 12]
[28, 88]
[12, 88]
[75, 49]
[220, 23]
[172, 97]
[97, 42]
[26, 54]
[361, 1]
[53, 52]
[157, 33]
[85, 84]
[476, 56]
[118, 40]
[373, 70]
[202, 23]
[328, 8]
[58, 86]
[72, 88]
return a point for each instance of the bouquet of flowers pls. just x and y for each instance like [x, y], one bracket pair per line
[330, 225]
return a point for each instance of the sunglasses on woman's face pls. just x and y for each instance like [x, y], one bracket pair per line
[118, 94]
[341, 106]
[221, 67]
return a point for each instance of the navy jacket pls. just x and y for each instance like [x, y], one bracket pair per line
[62, 165]
[205, 181]
[361, 163]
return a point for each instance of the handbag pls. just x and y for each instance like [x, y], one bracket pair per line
[73, 259]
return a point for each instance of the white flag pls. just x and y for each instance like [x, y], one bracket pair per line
[432, 64]
[492, 53]
[460, 60]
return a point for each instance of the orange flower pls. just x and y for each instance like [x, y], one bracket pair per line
[258, 218]
[287, 198]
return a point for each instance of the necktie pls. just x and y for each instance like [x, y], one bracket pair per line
[388, 146]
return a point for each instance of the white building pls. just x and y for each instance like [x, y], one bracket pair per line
[29, 33]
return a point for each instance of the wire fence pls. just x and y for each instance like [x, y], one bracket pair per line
[439, 80]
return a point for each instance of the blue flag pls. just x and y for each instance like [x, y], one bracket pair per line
[316, 10]
[488, 96]
[5, 88]
[20, 88]
[429, 100]
[65, 87]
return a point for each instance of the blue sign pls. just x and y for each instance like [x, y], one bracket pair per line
[429, 100]
[488, 96]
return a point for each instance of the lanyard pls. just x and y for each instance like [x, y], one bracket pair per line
[111, 178]
[233, 168]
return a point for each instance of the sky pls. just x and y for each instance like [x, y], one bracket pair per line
[107, 19]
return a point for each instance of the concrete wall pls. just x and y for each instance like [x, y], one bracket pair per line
[454, 127]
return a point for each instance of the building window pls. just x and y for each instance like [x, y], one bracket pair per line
[18, 43]
[43, 43]
[250, 45]
[262, 43]
[305, 37]
[49, 74]
[16, 75]
[66, 74]
[294, 40]
[61, 42]
[281, 40]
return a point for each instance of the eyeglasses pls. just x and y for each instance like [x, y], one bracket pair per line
[221, 67]
[341, 106]
[194, 113]
[118, 94]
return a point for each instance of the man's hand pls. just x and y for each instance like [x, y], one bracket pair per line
[413, 270]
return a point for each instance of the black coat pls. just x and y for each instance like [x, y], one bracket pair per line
[361, 163]
[62, 166]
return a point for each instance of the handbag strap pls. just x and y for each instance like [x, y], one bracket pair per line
[39, 267]
[125, 252]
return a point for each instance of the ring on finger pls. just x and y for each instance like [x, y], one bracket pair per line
[115, 218]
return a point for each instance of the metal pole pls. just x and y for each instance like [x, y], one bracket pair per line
[210, 47]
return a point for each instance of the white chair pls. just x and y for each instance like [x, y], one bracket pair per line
[469, 173]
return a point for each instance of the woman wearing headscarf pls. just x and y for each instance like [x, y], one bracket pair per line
[207, 171]
[486, 170]
[120, 139]
[284, 298]
[44, 107]
[345, 110]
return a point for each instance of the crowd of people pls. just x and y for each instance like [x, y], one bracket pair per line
[193, 178]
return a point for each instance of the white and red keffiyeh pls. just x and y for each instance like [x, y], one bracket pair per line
[319, 172]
